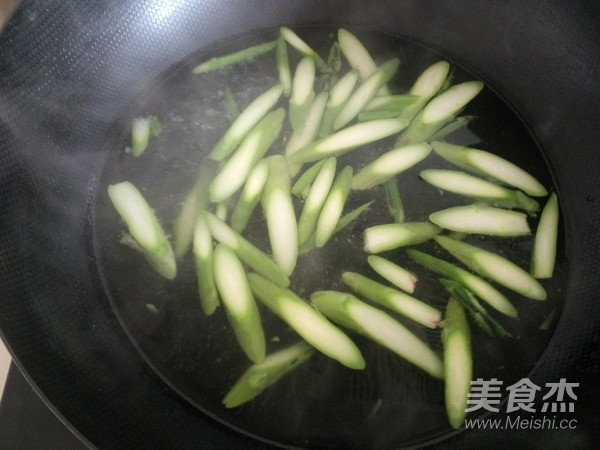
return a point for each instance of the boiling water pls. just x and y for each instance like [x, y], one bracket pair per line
[389, 404]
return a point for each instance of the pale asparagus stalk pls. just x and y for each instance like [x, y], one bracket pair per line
[398, 276]
[482, 219]
[303, 92]
[494, 267]
[309, 323]
[203, 256]
[250, 196]
[350, 312]
[243, 123]
[279, 214]
[492, 165]
[239, 303]
[543, 258]
[381, 238]
[144, 227]
[332, 207]
[219, 62]
[393, 299]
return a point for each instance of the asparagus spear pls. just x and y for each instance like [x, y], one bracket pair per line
[365, 92]
[219, 62]
[476, 311]
[393, 299]
[283, 66]
[247, 252]
[250, 196]
[142, 129]
[390, 164]
[338, 96]
[310, 324]
[440, 110]
[315, 199]
[183, 228]
[348, 139]
[544, 247]
[358, 56]
[203, 256]
[489, 164]
[494, 267]
[280, 216]
[430, 82]
[303, 48]
[393, 201]
[380, 238]
[398, 276]
[144, 227]
[344, 221]
[333, 206]
[458, 362]
[232, 109]
[350, 312]
[236, 169]
[221, 211]
[481, 219]
[259, 377]
[301, 187]
[239, 303]
[247, 119]
[303, 92]
[451, 127]
[484, 290]
[465, 184]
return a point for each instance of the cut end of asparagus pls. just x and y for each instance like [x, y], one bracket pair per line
[479, 219]
[380, 238]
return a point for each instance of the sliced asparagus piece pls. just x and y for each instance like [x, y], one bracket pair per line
[396, 103]
[303, 48]
[484, 290]
[431, 80]
[247, 252]
[464, 184]
[348, 139]
[310, 324]
[398, 276]
[221, 211]
[393, 299]
[250, 196]
[393, 200]
[247, 119]
[390, 164]
[544, 247]
[481, 219]
[315, 199]
[486, 163]
[333, 206]
[280, 216]
[494, 267]
[236, 169]
[219, 62]
[350, 312]
[301, 187]
[183, 228]
[440, 110]
[477, 312]
[380, 238]
[283, 66]
[303, 92]
[203, 256]
[144, 227]
[451, 127]
[358, 56]
[365, 92]
[458, 362]
[142, 129]
[344, 221]
[232, 109]
[239, 303]
[338, 96]
[308, 132]
[259, 377]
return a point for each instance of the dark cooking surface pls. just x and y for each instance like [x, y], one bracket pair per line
[68, 68]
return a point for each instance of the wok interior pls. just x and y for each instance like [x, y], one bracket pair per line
[390, 403]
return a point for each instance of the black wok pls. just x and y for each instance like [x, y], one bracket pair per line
[69, 74]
